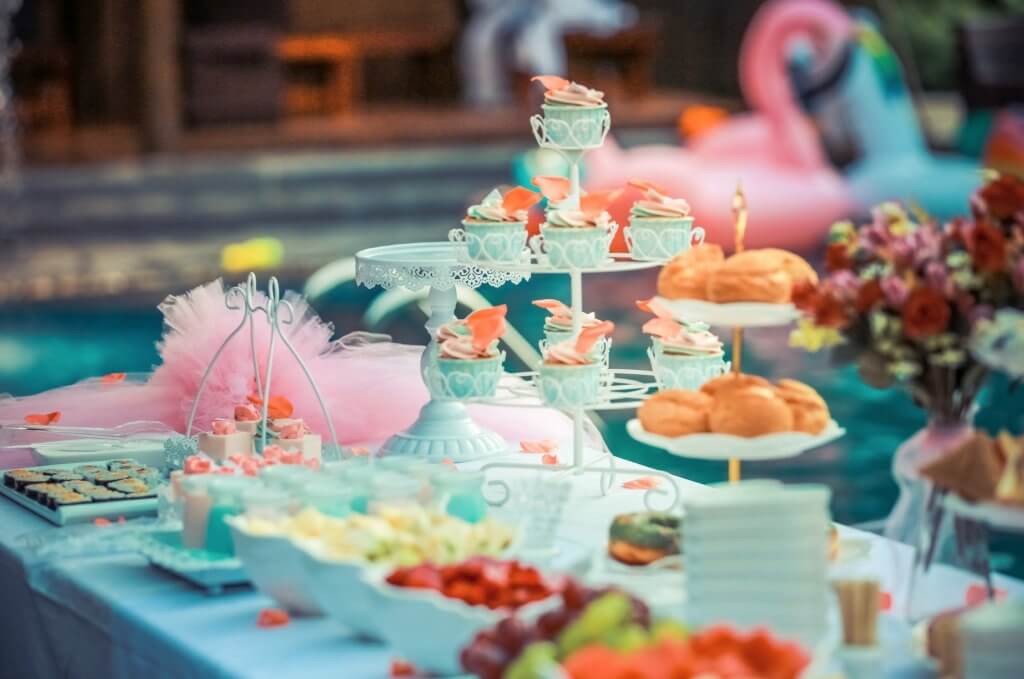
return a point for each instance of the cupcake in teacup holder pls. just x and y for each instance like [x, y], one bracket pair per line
[466, 362]
[575, 117]
[683, 355]
[570, 378]
[577, 232]
[660, 227]
[494, 231]
[558, 328]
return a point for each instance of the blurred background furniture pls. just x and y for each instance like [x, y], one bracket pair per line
[341, 84]
[992, 61]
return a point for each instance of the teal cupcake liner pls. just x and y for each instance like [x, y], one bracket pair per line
[458, 379]
[569, 387]
[659, 238]
[502, 242]
[574, 248]
[574, 127]
[678, 371]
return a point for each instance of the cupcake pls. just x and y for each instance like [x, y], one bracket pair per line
[683, 355]
[660, 227]
[575, 116]
[558, 327]
[575, 236]
[495, 230]
[570, 377]
[468, 363]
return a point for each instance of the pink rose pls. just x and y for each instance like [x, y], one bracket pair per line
[291, 457]
[895, 290]
[273, 453]
[293, 431]
[246, 413]
[222, 427]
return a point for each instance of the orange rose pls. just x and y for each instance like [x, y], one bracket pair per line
[868, 295]
[837, 258]
[987, 246]
[1003, 196]
[925, 313]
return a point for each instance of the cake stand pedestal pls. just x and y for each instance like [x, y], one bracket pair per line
[444, 428]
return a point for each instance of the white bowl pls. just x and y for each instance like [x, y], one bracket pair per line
[340, 590]
[274, 565]
[430, 630]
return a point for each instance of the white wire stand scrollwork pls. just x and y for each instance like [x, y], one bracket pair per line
[444, 428]
[572, 141]
[277, 312]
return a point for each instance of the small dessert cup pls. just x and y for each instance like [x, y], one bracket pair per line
[222, 446]
[684, 371]
[499, 242]
[568, 387]
[456, 378]
[575, 127]
[575, 248]
[599, 352]
[310, 445]
[661, 238]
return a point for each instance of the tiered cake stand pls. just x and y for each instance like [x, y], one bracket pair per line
[444, 428]
[724, 447]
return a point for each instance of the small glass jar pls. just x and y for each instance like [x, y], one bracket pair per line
[226, 493]
[286, 476]
[265, 503]
[415, 467]
[329, 496]
[391, 489]
[196, 501]
[357, 479]
[460, 494]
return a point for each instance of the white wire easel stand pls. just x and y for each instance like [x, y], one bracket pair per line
[444, 428]
[277, 312]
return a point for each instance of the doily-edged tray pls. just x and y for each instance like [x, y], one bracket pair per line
[727, 446]
[733, 314]
[997, 515]
[206, 570]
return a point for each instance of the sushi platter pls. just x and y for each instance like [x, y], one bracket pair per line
[200, 568]
[80, 493]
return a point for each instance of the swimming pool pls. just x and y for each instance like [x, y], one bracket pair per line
[44, 346]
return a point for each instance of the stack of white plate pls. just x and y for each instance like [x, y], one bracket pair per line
[756, 556]
[993, 636]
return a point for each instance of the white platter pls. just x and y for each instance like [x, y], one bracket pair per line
[147, 450]
[733, 314]
[996, 515]
[83, 513]
[274, 565]
[726, 446]
[202, 569]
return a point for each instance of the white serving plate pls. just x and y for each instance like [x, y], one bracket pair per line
[339, 589]
[202, 569]
[275, 566]
[726, 446]
[429, 629]
[147, 450]
[1000, 516]
[84, 513]
[732, 314]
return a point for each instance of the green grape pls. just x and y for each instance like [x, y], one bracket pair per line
[533, 661]
[601, 616]
[669, 629]
[625, 639]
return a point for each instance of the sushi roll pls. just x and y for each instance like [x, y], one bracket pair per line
[89, 471]
[39, 491]
[68, 498]
[129, 486]
[63, 476]
[108, 477]
[104, 495]
[141, 495]
[117, 465]
[25, 477]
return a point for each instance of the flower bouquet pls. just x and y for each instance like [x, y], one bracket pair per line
[906, 298]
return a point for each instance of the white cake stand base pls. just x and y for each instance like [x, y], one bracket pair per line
[444, 429]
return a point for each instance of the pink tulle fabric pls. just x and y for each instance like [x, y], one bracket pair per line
[372, 387]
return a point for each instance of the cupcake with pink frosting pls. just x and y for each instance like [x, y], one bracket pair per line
[570, 377]
[577, 232]
[660, 227]
[495, 229]
[468, 363]
[684, 355]
[575, 116]
[558, 326]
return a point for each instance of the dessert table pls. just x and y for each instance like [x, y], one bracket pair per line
[114, 616]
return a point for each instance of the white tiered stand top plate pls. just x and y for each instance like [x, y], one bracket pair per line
[996, 515]
[418, 265]
[733, 314]
[726, 446]
[532, 263]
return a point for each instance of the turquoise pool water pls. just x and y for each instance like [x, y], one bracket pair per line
[46, 346]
